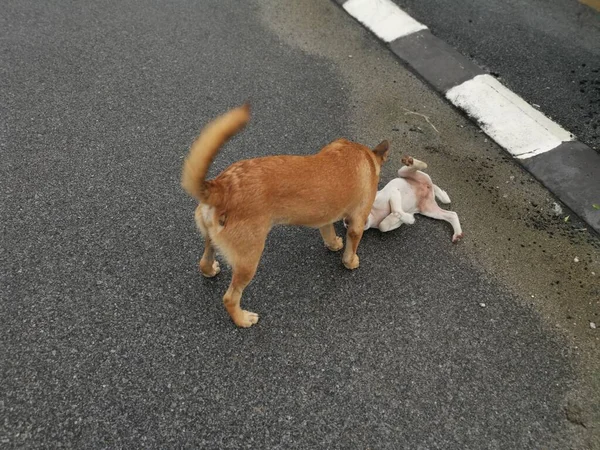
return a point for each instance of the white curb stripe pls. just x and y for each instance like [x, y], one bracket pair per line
[507, 118]
[383, 18]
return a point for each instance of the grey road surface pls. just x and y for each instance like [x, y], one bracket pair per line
[547, 51]
[109, 336]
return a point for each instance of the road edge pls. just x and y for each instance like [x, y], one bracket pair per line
[566, 167]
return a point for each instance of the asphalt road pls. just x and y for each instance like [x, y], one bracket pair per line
[546, 51]
[110, 337]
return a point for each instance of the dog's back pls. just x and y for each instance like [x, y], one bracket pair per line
[300, 190]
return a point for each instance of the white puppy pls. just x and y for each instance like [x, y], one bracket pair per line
[412, 193]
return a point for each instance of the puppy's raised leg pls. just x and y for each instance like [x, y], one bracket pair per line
[332, 241]
[435, 212]
[353, 236]
[411, 165]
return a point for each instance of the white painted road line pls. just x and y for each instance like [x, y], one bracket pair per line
[504, 116]
[383, 18]
[508, 119]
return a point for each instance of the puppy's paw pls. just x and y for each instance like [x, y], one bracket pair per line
[390, 223]
[407, 218]
[407, 160]
[338, 244]
[210, 271]
[353, 263]
[457, 237]
[245, 319]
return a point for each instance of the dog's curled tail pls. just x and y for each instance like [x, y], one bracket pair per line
[205, 148]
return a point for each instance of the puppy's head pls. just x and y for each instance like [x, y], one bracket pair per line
[382, 151]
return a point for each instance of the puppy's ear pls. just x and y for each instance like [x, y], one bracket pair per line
[382, 150]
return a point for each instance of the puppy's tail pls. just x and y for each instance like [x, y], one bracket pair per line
[205, 148]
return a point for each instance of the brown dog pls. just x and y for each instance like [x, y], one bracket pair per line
[240, 206]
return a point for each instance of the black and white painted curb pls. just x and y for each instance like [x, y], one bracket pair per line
[568, 168]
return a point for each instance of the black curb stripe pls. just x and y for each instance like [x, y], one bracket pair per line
[435, 61]
[572, 172]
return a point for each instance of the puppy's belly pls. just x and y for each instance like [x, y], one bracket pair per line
[382, 207]
[409, 201]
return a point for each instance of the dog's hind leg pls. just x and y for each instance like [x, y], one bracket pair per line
[242, 245]
[435, 212]
[242, 275]
[244, 263]
[209, 267]
[332, 241]
[441, 195]
[356, 225]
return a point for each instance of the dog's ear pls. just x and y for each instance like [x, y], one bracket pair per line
[382, 150]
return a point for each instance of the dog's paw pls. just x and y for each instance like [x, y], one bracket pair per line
[210, 271]
[245, 319]
[457, 237]
[337, 245]
[353, 263]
